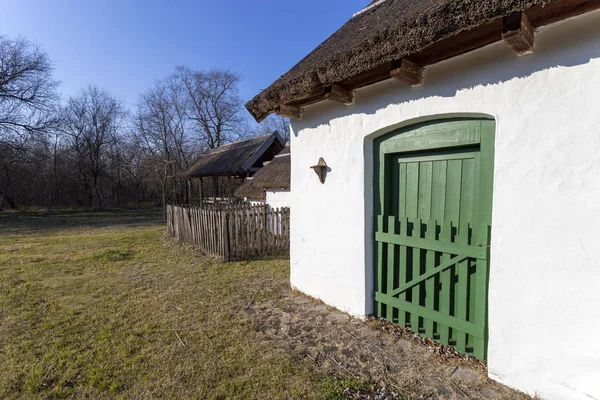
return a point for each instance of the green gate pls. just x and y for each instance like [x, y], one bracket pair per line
[433, 206]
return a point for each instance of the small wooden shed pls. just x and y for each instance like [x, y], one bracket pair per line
[227, 166]
[271, 184]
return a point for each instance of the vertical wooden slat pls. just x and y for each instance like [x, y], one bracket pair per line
[411, 191]
[220, 235]
[213, 231]
[424, 200]
[453, 186]
[250, 231]
[268, 230]
[194, 227]
[225, 237]
[416, 272]
[242, 233]
[438, 190]
[379, 283]
[424, 214]
[446, 283]
[403, 266]
[256, 233]
[411, 194]
[263, 232]
[233, 249]
[391, 266]
[461, 293]
[402, 191]
[430, 283]
[481, 297]
[467, 191]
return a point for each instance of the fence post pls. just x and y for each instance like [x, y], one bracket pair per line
[232, 232]
[225, 235]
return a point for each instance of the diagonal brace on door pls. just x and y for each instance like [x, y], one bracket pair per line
[443, 266]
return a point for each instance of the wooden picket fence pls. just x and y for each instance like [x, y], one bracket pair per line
[233, 232]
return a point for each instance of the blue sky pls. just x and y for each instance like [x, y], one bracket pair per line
[124, 46]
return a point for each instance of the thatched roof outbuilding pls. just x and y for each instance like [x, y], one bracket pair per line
[274, 175]
[239, 159]
[397, 38]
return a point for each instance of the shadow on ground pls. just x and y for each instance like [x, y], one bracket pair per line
[35, 222]
[371, 351]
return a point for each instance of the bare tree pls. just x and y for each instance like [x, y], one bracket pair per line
[275, 123]
[27, 101]
[90, 120]
[136, 165]
[161, 126]
[213, 105]
[77, 153]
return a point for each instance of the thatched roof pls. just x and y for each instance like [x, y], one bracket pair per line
[237, 159]
[274, 175]
[385, 32]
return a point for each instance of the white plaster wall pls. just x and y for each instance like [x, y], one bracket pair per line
[278, 198]
[544, 304]
[254, 202]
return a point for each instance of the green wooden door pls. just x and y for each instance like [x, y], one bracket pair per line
[433, 206]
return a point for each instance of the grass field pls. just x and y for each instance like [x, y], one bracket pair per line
[102, 305]
[99, 305]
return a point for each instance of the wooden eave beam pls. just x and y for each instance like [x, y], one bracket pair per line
[408, 72]
[290, 112]
[464, 42]
[518, 33]
[340, 94]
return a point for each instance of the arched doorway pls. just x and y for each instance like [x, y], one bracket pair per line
[433, 205]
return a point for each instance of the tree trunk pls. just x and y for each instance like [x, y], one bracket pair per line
[118, 187]
[50, 203]
[137, 197]
[96, 195]
[4, 193]
[6, 199]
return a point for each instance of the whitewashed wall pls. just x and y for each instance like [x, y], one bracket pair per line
[278, 198]
[544, 305]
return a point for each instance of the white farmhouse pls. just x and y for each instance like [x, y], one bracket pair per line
[461, 195]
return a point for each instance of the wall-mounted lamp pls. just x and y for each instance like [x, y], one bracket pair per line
[320, 169]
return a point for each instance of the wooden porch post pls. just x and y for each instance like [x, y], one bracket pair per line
[215, 188]
[200, 190]
[189, 190]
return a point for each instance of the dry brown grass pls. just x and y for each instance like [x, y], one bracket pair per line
[100, 305]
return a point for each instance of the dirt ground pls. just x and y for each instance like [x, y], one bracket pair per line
[402, 364]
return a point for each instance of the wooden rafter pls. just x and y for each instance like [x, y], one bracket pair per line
[518, 33]
[290, 112]
[408, 72]
[340, 94]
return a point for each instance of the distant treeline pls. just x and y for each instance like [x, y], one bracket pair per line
[89, 150]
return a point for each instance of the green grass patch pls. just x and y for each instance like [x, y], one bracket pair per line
[100, 305]
[333, 388]
[114, 255]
